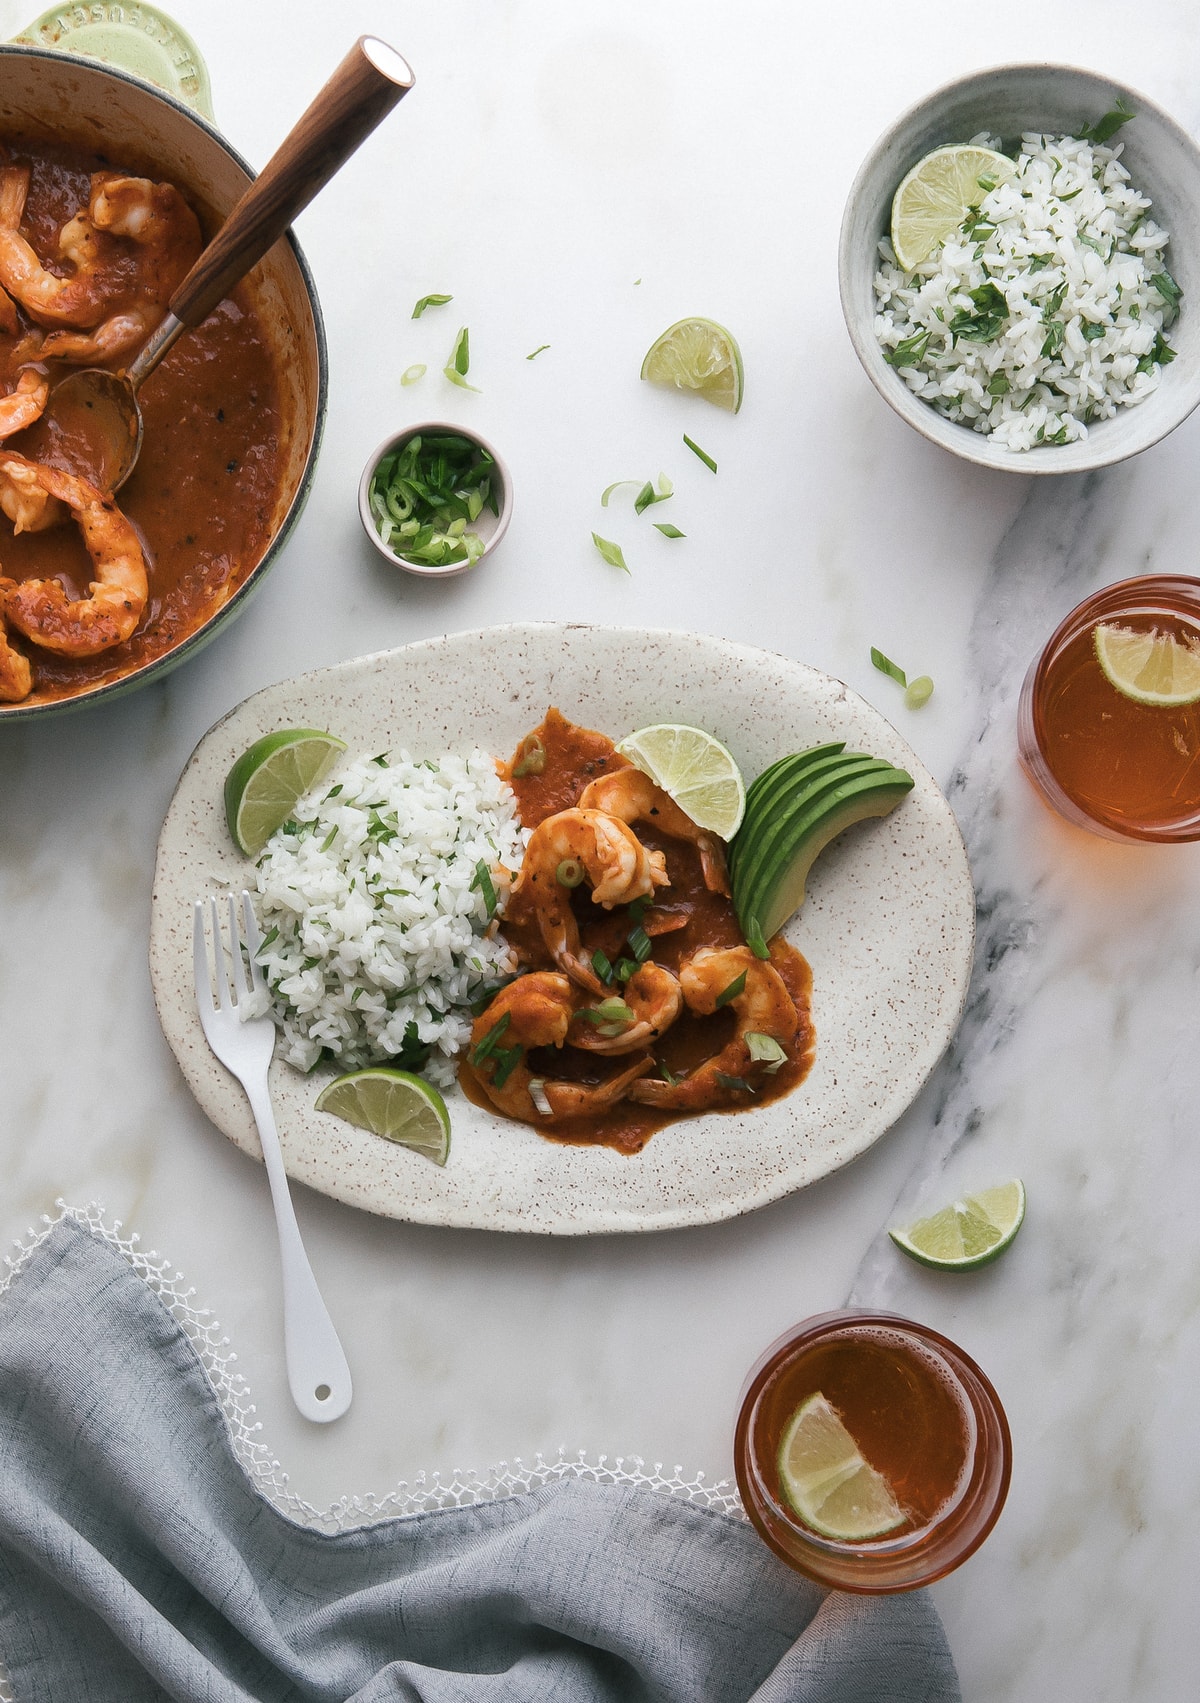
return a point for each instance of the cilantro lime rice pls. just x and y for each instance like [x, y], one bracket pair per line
[377, 902]
[1047, 310]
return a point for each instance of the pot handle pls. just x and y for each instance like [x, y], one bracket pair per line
[362, 91]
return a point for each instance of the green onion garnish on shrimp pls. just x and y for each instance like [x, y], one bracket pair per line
[425, 495]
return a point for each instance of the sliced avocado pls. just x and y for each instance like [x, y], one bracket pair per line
[790, 821]
[773, 827]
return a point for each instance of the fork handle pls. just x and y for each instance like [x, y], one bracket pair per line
[318, 1375]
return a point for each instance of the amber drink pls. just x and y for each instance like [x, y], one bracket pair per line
[924, 1419]
[1126, 769]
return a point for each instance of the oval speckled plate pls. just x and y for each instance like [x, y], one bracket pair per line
[888, 927]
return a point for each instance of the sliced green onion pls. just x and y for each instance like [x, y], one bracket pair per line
[486, 1047]
[736, 986]
[612, 1010]
[626, 967]
[459, 364]
[919, 692]
[537, 351]
[410, 375]
[667, 530]
[764, 1049]
[668, 1075]
[733, 1082]
[653, 494]
[615, 486]
[507, 1059]
[569, 872]
[531, 757]
[1109, 124]
[482, 879]
[421, 491]
[612, 553]
[640, 944]
[602, 965]
[430, 301]
[886, 666]
[704, 456]
[537, 1093]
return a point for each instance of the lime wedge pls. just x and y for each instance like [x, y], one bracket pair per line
[934, 198]
[1150, 668]
[392, 1103]
[695, 770]
[699, 355]
[265, 784]
[827, 1481]
[969, 1233]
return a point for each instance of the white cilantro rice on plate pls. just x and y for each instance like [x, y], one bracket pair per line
[375, 916]
[1046, 312]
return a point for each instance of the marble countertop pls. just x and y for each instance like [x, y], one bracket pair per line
[581, 178]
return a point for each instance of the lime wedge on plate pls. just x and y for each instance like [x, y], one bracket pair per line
[695, 770]
[267, 781]
[699, 355]
[934, 198]
[1150, 668]
[392, 1103]
[969, 1233]
[827, 1481]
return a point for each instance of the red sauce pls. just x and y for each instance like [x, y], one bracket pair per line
[685, 918]
[204, 490]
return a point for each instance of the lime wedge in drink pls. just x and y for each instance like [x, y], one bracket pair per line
[827, 1481]
[938, 192]
[695, 770]
[265, 784]
[1150, 668]
[392, 1103]
[699, 355]
[969, 1233]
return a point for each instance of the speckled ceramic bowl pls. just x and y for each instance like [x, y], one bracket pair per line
[54, 95]
[887, 926]
[490, 527]
[1163, 162]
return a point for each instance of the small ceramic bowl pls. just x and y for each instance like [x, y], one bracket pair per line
[1163, 162]
[490, 527]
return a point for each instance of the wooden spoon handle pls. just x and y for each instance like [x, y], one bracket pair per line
[362, 91]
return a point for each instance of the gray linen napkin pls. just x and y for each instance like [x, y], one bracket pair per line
[138, 1560]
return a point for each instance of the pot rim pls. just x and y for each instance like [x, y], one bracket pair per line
[195, 641]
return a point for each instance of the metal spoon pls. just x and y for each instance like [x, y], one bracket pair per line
[92, 416]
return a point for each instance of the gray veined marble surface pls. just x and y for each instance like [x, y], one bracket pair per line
[582, 179]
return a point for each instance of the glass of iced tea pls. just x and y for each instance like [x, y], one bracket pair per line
[871, 1453]
[1109, 722]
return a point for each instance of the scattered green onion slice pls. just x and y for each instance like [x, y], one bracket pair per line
[486, 1047]
[730, 993]
[507, 1059]
[611, 552]
[482, 879]
[765, 1049]
[424, 495]
[531, 757]
[667, 530]
[640, 944]
[733, 1082]
[430, 301]
[612, 1010]
[537, 351]
[918, 692]
[653, 494]
[885, 665]
[602, 965]
[537, 1093]
[410, 375]
[459, 364]
[703, 454]
[569, 872]
[615, 486]
[1109, 124]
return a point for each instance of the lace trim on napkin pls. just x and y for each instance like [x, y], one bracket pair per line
[427, 1491]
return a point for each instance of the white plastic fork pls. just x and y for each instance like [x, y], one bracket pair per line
[318, 1375]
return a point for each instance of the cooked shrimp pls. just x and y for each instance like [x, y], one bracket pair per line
[16, 676]
[23, 404]
[565, 850]
[651, 995]
[633, 797]
[762, 1005]
[128, 250]
[535, 1011]
[117, 596]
